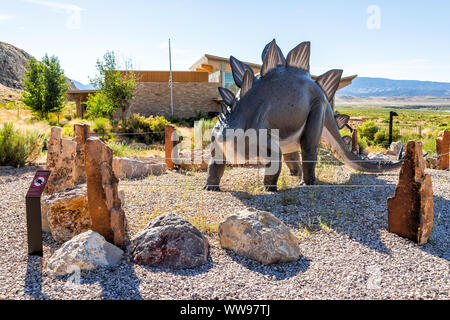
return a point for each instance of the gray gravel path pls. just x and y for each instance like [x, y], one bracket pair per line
[347, 252]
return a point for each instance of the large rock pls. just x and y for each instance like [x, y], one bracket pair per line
[410, 210]
[130, 169]
[170, 241]
[395, 148]
[86, 251]
[61, 157]
[65, 214]
[377, 156]
[14, 65]
[260, 236]
[105, 207]
[81, 132]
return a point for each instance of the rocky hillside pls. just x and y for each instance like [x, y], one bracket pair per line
[14, 65]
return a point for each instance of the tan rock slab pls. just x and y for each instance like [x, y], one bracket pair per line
[61, 161]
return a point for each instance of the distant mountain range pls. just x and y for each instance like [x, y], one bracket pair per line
[81, 86]
[14, 63]
[381, 87]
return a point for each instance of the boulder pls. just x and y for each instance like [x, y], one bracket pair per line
[377, 156]
[395, 148]
[105, 207]
[61, 161]
[260, 236]
[131, 169]
[170, 241]
[65, 214]
[86, 251]
[81, 132]
[194, 159]
[410, 210]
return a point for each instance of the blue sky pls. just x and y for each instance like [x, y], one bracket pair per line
[392, 39]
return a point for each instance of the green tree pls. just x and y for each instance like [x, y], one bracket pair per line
[118, 87]
[98, 106]
[45, 86]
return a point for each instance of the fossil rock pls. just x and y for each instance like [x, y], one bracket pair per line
[86, 251]
[65, 214]
[61, 161]
[130, 169]
[260, 236]
[81, 132]
[105, 207]
[410, 210]
[170, 241]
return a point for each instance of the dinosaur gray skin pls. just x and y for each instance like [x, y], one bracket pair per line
[287, 99]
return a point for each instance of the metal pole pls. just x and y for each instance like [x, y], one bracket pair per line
[392, 114]
[171, 82]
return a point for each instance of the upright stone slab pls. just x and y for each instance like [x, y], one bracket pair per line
[61, 161]
[81, 132]
[169, 144]
[105, 207]
[443, 149]
[355, 145]
[410, 210]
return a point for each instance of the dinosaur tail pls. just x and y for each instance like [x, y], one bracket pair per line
[333, 137]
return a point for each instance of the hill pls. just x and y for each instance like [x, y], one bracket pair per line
[14, 65]
[381, 87]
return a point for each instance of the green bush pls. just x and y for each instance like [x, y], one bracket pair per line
[368, 130]
[143, 130]
[382, 137]
[17, 148]
[98, 106]
[362, 143]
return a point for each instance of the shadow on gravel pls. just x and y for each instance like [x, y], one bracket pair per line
[186, 272]
[33, 278]
[279, 271]
[344, 208]
[119, 283]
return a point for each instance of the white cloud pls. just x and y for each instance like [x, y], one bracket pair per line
[56, 5]
[74, 12]
[4, 17]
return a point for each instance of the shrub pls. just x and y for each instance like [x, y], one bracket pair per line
[362, 143]
[17, 148]
[98, 106]
[144, 130]
[368, 130]
[382, 137]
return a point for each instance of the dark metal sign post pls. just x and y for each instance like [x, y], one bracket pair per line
[392, 114]
[33, 207]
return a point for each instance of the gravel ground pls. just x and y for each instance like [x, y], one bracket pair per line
[341, 226]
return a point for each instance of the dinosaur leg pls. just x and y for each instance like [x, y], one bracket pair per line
[215, 173]
[292, 161]
[309, 142]
[272, 171]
